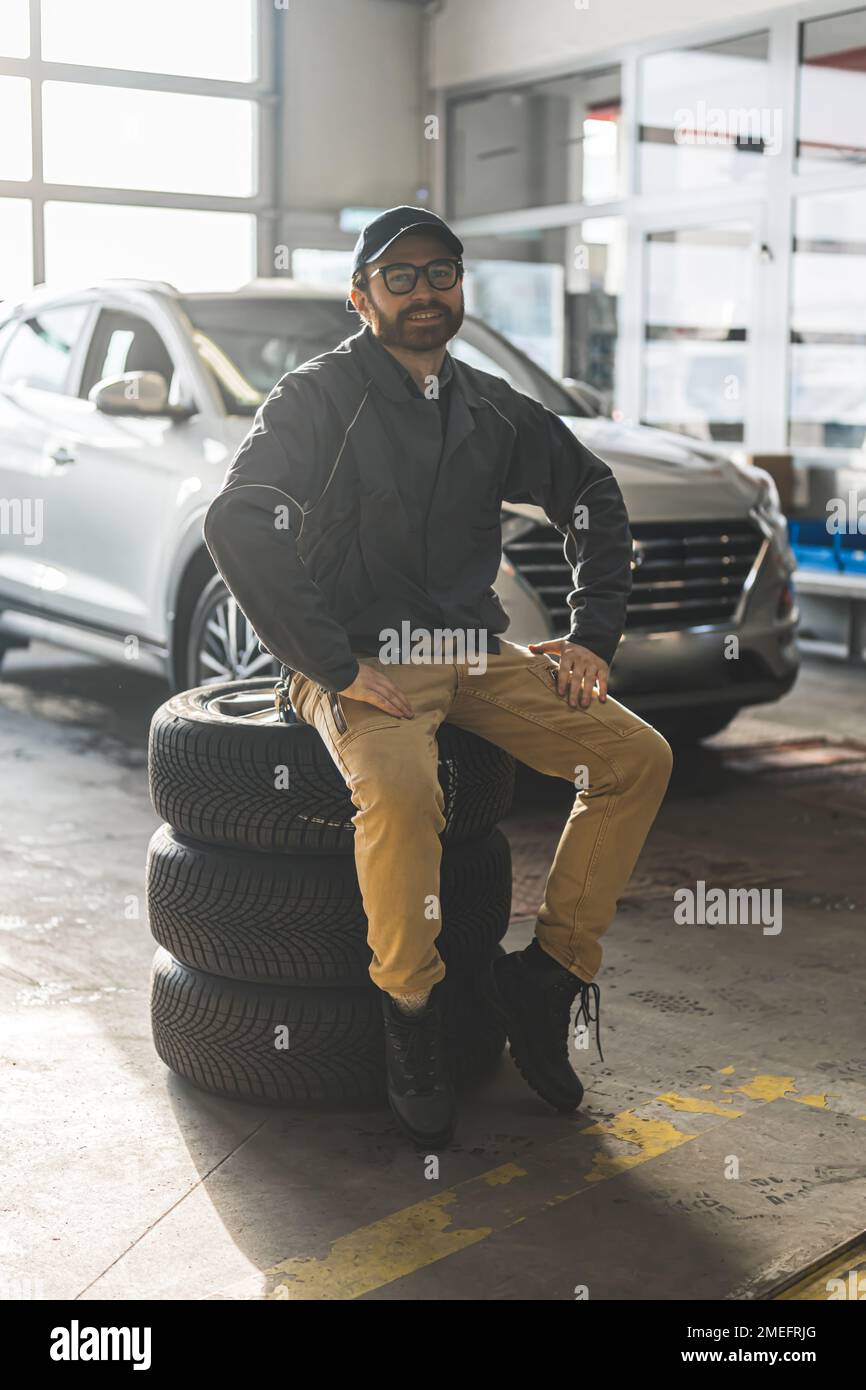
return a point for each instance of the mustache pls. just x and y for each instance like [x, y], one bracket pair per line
[426, 309]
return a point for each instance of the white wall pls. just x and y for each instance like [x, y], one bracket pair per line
[475, 39]
[354, 104]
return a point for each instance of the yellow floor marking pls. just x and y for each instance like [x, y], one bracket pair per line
[817, 1102]
[420, 1235]
[497, 1176]
[766, 1087]
[698, 1107]
[385, 1250]
[727, 1071]
[650, 1137]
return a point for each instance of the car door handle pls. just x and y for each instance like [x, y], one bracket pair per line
[63, 455]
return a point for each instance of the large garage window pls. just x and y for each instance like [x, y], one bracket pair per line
[212, 40]
[119, 137]
[15, 155]
[14, 29]
[157, 135]
[16, 263]
[190, 249]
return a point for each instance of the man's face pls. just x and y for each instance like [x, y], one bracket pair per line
[397, 319]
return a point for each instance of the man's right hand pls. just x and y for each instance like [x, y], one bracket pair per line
[375, 688]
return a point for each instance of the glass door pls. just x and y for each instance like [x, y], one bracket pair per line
[697, 335]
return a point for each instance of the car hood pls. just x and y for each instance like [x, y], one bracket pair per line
[663, 476]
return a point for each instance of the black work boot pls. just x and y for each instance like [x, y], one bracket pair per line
[420, 1091]
[532, 994]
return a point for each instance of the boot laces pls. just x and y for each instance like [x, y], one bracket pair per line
[584, 1008]
[565, 996]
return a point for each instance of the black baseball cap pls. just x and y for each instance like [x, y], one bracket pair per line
[379, 233]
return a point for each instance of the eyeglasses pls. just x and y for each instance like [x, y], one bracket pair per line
[400, 278]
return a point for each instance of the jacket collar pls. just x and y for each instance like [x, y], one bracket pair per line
[391, 378]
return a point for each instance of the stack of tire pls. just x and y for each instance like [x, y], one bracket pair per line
[260, 989]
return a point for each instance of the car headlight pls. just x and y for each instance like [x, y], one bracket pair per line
[767, 508]
[767, 502]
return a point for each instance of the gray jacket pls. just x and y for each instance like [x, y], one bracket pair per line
[318, 533]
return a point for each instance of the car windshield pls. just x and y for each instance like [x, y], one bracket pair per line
[249, 343]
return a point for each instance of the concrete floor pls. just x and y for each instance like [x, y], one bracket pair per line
[723, 1047]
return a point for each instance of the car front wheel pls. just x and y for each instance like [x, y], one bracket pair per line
[221, 645]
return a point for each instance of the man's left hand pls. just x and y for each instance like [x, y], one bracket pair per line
[579, 669]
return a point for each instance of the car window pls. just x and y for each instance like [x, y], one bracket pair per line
[40, 350]
[124, 342]
[501, 358]
[248, 344]
[469, 353]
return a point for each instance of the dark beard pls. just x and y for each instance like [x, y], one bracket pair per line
[399, 333]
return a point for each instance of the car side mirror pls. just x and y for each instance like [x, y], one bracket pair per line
[137, 393]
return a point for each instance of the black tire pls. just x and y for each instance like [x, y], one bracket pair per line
[299, 919]
[212, 776]
[531, 787]
[220, 1035]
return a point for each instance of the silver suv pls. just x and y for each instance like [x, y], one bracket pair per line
[123, 402]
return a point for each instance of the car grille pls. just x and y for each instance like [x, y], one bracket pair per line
[685, 574]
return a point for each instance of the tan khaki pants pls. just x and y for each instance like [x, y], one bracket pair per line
[390, 767]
